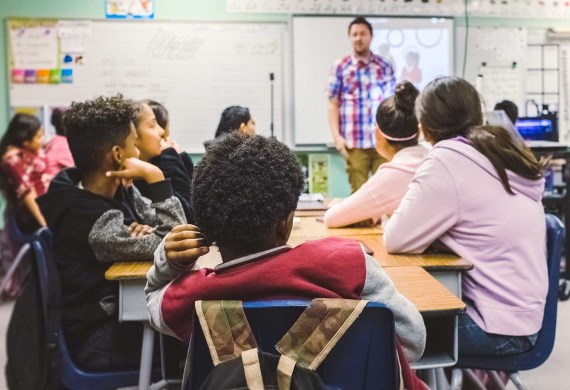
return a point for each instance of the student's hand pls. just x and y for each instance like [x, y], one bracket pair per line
[184, 245]
[340, 144]
[140, 230]
[135, 169]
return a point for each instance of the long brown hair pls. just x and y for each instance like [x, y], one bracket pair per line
[450, 106]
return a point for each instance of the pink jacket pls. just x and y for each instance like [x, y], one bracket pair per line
[58, 154]
[456, 197]
[382, 193]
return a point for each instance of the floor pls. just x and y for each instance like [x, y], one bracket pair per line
[552, 375]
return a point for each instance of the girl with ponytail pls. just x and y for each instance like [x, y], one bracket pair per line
[479, 194]
[397, 141]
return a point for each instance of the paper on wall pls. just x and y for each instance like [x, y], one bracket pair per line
[34, 47]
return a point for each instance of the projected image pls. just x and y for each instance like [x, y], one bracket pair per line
[418, 55]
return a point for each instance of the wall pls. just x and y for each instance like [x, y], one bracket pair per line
[204, 10]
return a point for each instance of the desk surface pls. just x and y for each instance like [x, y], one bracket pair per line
[430, 261]
[429, 296]
[310, 229]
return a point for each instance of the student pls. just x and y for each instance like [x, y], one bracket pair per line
[509, 108]
[357, 85]
[479, 194]
[98, 218]
[156, 148]
[245, 193]
[25, 170]
[57, 149]
[397, 142]
[163, 120]
[234, 118]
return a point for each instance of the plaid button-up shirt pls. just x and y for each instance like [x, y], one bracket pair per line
[359, 88]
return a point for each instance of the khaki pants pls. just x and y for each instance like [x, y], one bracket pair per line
[361, 164]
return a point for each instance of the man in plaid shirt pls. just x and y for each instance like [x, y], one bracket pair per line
[357, 85]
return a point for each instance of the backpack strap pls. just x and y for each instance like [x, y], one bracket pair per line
[317, 331]
[252, 369]
[226, 329]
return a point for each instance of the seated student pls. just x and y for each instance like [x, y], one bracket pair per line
[234, 118]
[25, 170]
[163, 120]
[154, 148]
[479, 194]
[57, 149]
[509, 108]
[98, 218]
[397, 141]
[245, 193]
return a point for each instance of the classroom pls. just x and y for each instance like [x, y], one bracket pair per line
[164, 161]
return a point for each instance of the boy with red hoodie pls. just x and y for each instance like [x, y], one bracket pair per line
[245, 194]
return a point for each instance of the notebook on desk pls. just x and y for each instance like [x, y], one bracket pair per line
[314, 205]
[311, 202]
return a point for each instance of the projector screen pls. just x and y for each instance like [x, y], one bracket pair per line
[420, 49]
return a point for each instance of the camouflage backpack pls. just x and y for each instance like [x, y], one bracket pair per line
[238, 364]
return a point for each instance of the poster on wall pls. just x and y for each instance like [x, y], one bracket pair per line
[129, 9]
[319, 174]
[33, 51]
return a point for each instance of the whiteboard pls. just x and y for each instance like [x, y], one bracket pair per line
[314, 53]
[194, 69]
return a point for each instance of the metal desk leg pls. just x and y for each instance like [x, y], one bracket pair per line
[431, 379]
[146, 357]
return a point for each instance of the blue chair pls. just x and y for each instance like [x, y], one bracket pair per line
[541, 351]
[364, 358]
[72, 376]
[17, 236]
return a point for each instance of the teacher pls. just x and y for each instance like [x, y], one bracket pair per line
[357, 85]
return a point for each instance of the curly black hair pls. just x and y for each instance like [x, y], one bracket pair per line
[243, 187]
[93, 127]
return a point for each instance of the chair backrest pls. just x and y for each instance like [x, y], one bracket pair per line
[364, 358]
[72, 376]
[13, 226]
[555, 234]
[48, 280]
[538, 354]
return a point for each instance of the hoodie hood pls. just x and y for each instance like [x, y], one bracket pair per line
[532, 189]
[64, 194]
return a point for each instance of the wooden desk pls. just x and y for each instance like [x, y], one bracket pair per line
[310, 228]
[429, 296]
[429, 262]
[447, 269]
[437, 305]
[132, 307]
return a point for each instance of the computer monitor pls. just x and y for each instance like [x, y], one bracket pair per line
[537, 128]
